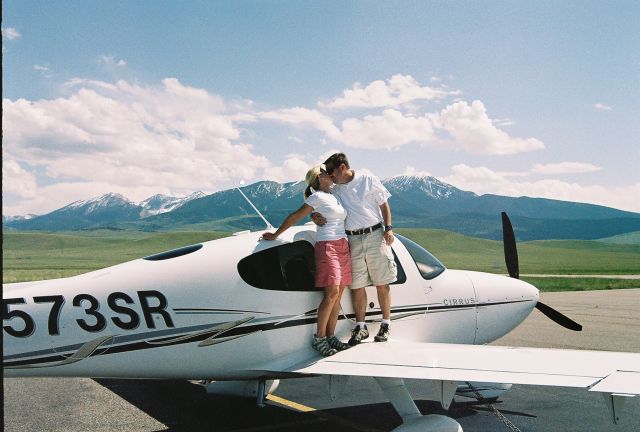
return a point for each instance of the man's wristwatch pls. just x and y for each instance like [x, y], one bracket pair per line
[388, 228]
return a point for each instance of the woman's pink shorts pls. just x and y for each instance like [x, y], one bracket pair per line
[333, 263]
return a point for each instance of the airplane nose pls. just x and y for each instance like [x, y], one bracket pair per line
[528, 290]
[503, 303]
[492, 288]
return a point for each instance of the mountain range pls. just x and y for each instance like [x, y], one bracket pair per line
[416, 201]
[97, 212]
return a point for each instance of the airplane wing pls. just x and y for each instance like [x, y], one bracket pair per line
[600, 371]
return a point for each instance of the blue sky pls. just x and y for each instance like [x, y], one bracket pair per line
[144, 97]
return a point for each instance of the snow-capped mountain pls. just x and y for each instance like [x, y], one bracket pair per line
[105, 210]
[427, 185]
[7, 219]
[416, 201]
[83, 214]
[101, 203]
[159, 203]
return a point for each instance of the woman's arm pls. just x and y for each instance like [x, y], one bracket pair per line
[291, 220]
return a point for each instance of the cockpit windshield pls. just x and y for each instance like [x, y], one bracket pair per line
[428, 265]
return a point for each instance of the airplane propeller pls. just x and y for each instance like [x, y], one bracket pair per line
[511, 259]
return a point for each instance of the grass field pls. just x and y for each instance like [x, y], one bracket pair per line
[535, 257]
[36, 255]
[554, 284]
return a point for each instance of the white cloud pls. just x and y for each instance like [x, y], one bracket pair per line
[16, 180]
[483, 180]
[473, 130]
[411, 171]
[503, 122]
[10, 33]
[83, 82]
[459, 126]
[44, 70]
[602, 107]
[169, 137]
[390, 130]
[111, 61]
[304, 117]
[41, 68]
[467, 127]
[394, 92]
[472, 178]
[565, 168]
[294, 168]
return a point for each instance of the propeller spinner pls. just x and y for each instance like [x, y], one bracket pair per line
[511, 259]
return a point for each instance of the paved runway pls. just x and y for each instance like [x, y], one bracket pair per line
[611, 321]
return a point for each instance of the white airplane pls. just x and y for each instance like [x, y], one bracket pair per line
[238, 313]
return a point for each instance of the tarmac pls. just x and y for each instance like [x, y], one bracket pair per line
[610, 319]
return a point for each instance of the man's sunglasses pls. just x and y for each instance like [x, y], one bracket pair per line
[329, 170]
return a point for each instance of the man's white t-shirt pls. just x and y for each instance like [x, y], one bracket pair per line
[329, 206]
[361, 198]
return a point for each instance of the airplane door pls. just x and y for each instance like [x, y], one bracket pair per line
[446, 297]
[404, 296]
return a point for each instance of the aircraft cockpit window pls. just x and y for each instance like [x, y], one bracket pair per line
[174, 253]
[288, 267]
[428, 265]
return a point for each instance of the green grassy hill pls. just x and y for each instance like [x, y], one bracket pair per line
[538, 257]
[36, 255]
[628, 238]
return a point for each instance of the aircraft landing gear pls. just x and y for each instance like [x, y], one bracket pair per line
[412, 418]
[260, 396]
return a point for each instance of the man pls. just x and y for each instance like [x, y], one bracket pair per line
[370, 234]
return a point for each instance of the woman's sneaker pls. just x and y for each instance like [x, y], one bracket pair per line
[358, 335]
[322, 346]
[336, 343]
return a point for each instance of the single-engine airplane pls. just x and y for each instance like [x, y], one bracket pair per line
[238, 313]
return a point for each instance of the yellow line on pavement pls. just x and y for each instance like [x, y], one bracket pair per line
[288, 403]
[344, 424]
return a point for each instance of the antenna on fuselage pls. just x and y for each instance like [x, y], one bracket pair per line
[269, 226]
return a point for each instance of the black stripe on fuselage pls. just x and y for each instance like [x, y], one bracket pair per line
[221, 311]
[166, 335]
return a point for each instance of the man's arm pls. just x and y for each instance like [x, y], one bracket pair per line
[318, 219]
[386, 217]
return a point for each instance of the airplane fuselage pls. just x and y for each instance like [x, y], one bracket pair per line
[233, 308]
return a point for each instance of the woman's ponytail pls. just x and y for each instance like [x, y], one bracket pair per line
[307, 192]
[313, 181]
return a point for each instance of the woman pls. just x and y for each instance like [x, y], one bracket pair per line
[333, 263]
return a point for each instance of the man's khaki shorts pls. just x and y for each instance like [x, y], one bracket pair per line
[372, 260]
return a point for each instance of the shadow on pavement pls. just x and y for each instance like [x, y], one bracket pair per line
[182, 406]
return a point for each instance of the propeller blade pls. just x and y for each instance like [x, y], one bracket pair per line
[510, 250]
[511, 258]
[559, 318]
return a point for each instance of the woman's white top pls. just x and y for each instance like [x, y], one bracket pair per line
[330, 207]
